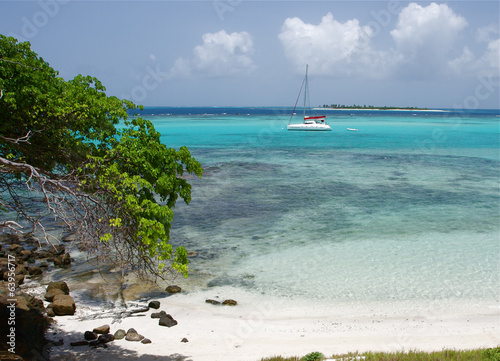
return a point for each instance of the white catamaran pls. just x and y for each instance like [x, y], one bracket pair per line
[310, 122]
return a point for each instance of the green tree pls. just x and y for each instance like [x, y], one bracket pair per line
[106, 177]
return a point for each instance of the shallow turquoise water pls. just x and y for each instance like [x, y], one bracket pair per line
[405, 208]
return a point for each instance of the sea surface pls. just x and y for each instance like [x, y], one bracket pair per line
[405, 208]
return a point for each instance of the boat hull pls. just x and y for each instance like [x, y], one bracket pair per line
[309, 127]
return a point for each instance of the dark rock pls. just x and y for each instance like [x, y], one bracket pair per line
[49, 296]
[146, 340]
[5, 274]
[229, 303]
[89, 335]
[19, 279]
[94, 343]
[184, 340]
[120, 334]
[98, 344]
[62, 260]
[106, 337]
[167, 320]
[36, 303]
[131, 330]
[79, 343]
[101, 329]
[25, 255]
[158, 314]
[35, 271]
[59, 285]
[30, 325]
[44, 265]
[63, 305]
[16, 248]
[173, 289]
[44, 254]
[27, 302]
[50, 312]
[213, 302]
[58, 249]
[59, 342]
[154, 304]
[21, 270]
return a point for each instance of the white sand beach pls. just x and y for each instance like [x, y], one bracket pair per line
[262, 327]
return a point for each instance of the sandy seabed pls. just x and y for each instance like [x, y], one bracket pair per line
[261, 326]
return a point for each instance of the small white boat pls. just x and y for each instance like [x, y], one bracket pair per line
[352, 129]
[314, 123]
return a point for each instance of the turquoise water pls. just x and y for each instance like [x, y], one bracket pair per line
[405, 208]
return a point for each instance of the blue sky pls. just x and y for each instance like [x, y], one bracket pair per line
[251, 53]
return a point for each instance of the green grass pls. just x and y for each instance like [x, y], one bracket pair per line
[492, 354]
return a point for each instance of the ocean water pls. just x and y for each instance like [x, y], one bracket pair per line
[405, 208]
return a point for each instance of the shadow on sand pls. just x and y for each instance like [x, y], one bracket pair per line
[111, 351]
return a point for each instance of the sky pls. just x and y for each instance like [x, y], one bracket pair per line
[254, 53]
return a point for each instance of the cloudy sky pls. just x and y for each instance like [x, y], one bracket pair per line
[251, 53]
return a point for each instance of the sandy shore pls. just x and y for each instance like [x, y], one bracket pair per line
[261, 327]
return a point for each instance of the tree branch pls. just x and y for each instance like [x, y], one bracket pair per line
[18, 63]
[24, 139]
[7, 166]
[11, 225]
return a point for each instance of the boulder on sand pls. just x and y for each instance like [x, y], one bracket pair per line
[133, 336]
[101, 329]
[154, 304]
[63, 286]
[119, 334]
[49, 296]
[167, 320]
[173, 289]
[63, 305]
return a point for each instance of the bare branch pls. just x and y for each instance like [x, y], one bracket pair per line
[24, 139]
[7, 166]
[11, 225]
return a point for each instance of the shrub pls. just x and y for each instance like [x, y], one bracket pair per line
[313, 356]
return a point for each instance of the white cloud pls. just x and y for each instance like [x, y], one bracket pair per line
[458, 64]
[425, 45]
[483, 34]
[491, 58]
[425, 36]
[221, 54]
[488, 63]
[331, 47]
[493, 53]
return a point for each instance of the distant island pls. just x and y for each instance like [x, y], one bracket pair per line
[354, 106]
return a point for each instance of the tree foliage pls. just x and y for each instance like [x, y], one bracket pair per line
[105, 176]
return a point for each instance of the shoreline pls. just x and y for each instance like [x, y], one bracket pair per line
[261, 326]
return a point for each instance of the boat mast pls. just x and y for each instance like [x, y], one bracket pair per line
[305, 91]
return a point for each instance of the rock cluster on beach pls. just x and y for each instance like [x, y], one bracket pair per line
[29, 261]
[102, 335]
[228, 302]
[22, 258]
[61, 302]
[33, 316]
